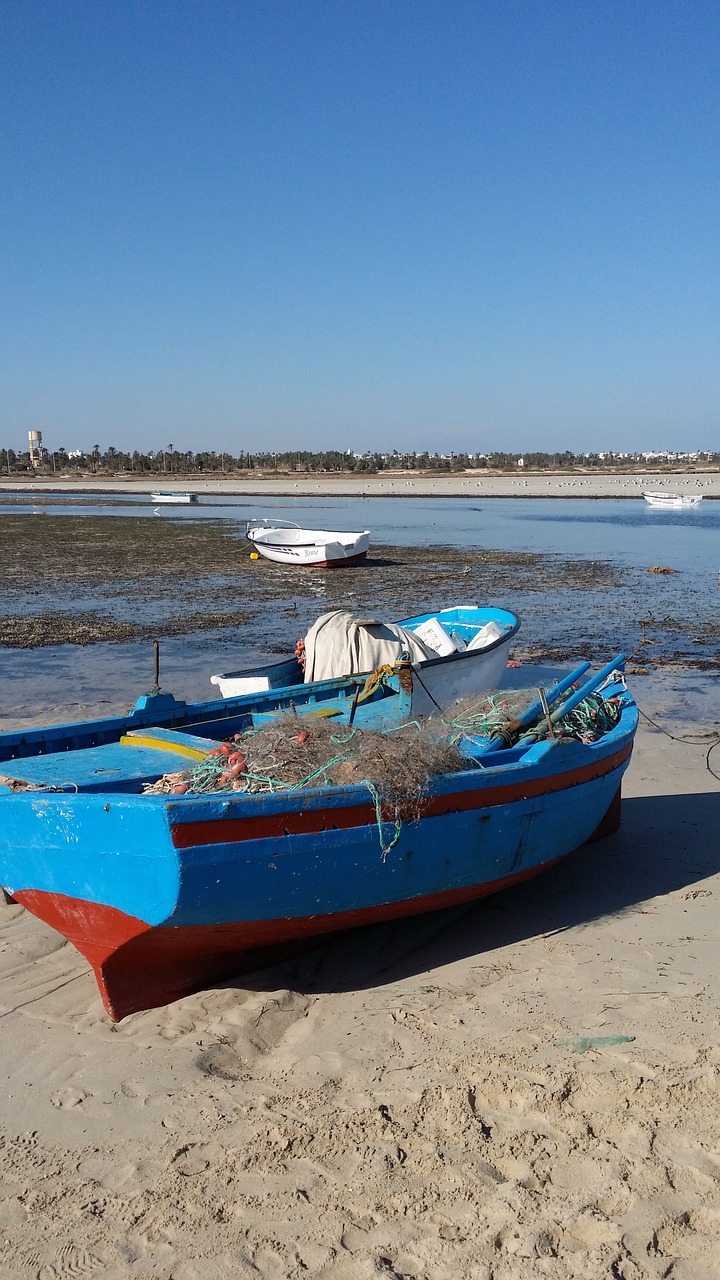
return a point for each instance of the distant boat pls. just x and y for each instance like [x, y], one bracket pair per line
[309, 548]
[171, 495]
[673, 500]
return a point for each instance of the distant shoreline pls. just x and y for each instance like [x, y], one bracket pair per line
[384, 485]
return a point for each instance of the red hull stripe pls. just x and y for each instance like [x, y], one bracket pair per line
[140, 967]
[186, 835]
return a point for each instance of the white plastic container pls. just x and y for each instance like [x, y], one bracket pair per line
[486, 635]
[236, 686]
[433, 633]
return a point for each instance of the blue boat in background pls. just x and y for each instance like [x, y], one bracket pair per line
[165, 894]
[378, 700]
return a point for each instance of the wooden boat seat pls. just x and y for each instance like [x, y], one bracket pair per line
[190, 745]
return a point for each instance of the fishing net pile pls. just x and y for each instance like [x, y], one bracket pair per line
[300, 751]
[295, 751]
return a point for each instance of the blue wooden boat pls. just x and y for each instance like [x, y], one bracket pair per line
[377, 701]
[164, 894]
[413, 689]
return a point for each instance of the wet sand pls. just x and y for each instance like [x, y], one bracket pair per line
[134, 579]
[83, 579]
[524, 1088]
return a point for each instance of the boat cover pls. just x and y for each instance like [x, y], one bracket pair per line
[340, 645]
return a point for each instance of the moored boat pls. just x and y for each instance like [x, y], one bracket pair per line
[165, 893]
[286, 543]
[172, 496]
[454, 652]
[672, 500]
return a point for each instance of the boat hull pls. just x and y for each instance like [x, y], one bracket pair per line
[437, 682]
[309, 557]
[164, 895]
[310, 548]
[672, 501]
[441, 681]
[138, 966]
[181, 499]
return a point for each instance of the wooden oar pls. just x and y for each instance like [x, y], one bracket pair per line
[535, 709]
[575, 698]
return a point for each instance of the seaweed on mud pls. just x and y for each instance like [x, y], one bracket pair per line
[121, 579]
[50, 628]
[98, 549]
[700, 632]
[155, 566]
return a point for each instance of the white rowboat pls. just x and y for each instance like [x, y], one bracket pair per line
[673, 500]
[168, 495]
[315, 548]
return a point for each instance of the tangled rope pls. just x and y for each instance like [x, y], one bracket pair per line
[493, 715]
[591, 719]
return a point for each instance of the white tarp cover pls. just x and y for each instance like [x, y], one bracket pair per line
[340, 645]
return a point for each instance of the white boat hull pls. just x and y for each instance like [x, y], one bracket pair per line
[437, 682]
[310, 548]
[671, 501]
[441, 681]
[176, 499]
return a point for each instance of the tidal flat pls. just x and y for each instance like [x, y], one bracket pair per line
[80, 580]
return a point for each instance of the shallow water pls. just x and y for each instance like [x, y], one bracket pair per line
[624, 527]
[627, 533]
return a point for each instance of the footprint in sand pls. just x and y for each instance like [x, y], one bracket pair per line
[190, 1160]
[222, 1060]
[68, 1097]
[70, 1261]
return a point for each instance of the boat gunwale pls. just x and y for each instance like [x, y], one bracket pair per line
[189, 831]
[478, 778]
[176, 714]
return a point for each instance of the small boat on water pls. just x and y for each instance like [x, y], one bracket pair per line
[453, 652]
[167, 893]
[671, 501]
[172, 496]
[287, 543]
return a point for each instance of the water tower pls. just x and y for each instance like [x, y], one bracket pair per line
[35, 447]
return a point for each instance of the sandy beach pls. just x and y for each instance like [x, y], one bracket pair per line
[524, 1088]
[389, 484]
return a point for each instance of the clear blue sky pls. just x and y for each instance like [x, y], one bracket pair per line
[444, 224]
